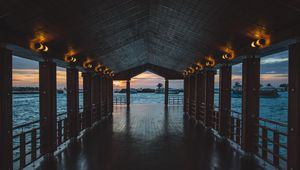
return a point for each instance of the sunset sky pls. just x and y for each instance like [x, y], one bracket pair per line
[274, 69]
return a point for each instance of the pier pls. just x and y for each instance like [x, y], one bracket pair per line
[116, 40]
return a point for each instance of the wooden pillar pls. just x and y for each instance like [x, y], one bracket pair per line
[225, 100]
[188, 95]
[72, 101]
[100, 97]
[198, 95]
[184, 93]
[87, 98]
[166, 92]
[250, 104]
[128, 92]
[6, 154]
[108, 96]
[192, 95]
[112, 95]
[95, 97]
[294, 108]
[201, 97]
[195, 95]
[209, 96]
[47, 76]
[104, 85]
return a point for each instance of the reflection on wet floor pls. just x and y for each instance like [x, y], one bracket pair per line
[148, 137]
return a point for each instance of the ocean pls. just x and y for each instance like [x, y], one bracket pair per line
[26, 106]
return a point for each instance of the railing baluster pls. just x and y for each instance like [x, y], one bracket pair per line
[232, 129]
[59, 132]
[33, 145]
[276, 149]
[22, 150]
[65, 129]
[264, 148]
[238, 131]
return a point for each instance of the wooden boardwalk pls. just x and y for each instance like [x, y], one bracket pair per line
[148, 137]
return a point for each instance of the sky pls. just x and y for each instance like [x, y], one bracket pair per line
[274, 70]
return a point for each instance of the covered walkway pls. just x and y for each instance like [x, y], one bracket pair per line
[148, 137]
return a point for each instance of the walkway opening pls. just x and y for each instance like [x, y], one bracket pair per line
[148, 88]
[25, 104]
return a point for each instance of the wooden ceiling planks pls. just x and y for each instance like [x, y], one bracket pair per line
[126, 33]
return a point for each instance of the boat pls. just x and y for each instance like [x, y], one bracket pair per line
[237, 90]
[162, 91]
[264, 91]
[132, 91]
[268, 91]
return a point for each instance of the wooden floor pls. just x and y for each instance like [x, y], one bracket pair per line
[147, 137]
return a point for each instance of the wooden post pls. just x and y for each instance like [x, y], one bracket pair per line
[192, 96]
[104, 89]
[225, 100]
[72, 101]
[128, 92]
[184, 94]
[201, 97]
[209, 97]
[100, 96]
[112, 95]
[87, 98]
[196, 81]
[6, 148]
[166, 92]
[95, 97]
[250, 104]
[48, 132]
[294, 108]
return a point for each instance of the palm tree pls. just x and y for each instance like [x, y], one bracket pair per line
[159, 85]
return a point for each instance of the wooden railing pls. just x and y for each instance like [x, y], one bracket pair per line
[119, 100]
[273, 142]
[26, 139]
[175, 100]
[272, 145]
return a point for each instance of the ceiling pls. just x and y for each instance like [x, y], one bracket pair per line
[124, 34]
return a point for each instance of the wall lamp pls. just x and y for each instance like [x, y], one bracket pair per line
[258, 43]
[40, 47]
[191, 70]
[70, 59]
[185, 73]
[98, 68]
[198, 66]
[210, 62]
[87, 65]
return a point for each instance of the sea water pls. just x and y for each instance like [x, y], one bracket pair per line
[26, 106]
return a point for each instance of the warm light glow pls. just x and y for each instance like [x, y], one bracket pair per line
[261, 38]
[87, 64]
[199, 66]
[229, 54]
[69, 56]
[98, 68]
[39, 47]
[191, 70]
[210, 61]
[260, 43]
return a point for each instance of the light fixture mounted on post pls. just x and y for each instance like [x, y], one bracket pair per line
[87, 64]
[70, 59]
[191, 70]
[40, 47]
[185, 73]
[210, 61]
[258, 43]
[98, 68]
[198, 66]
